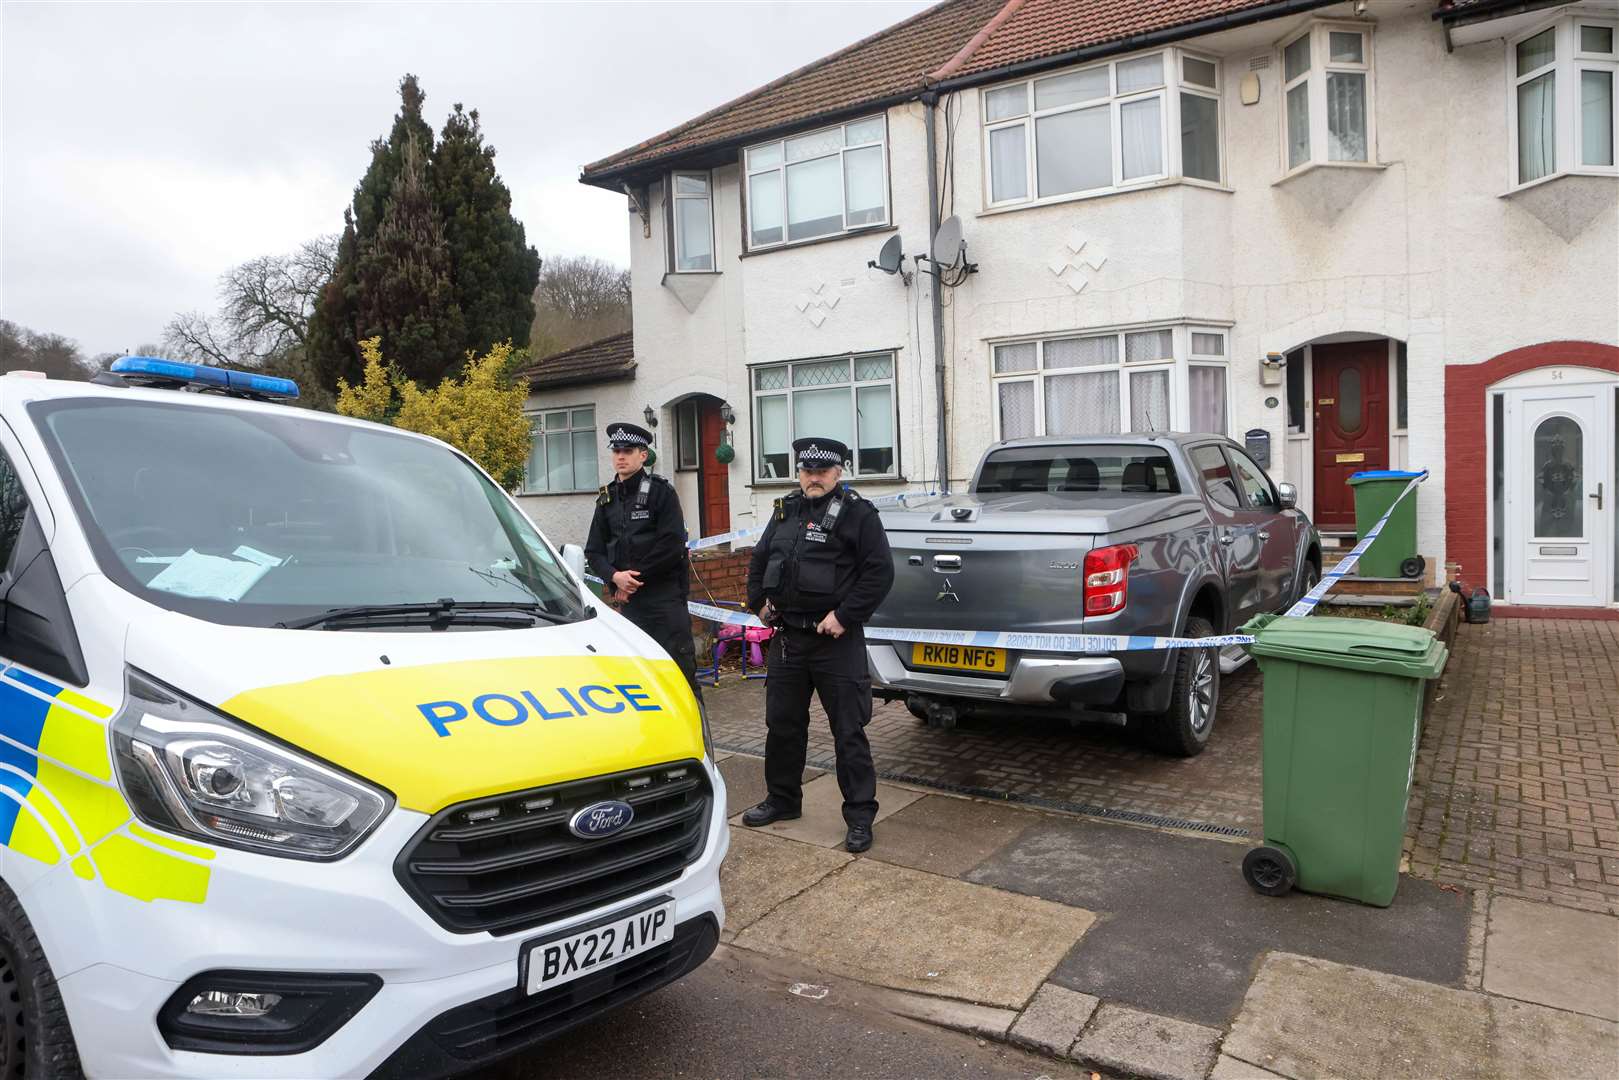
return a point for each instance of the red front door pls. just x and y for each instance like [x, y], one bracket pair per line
[1351, 424]
[713, 477]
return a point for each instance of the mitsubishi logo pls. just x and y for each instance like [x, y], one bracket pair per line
[948, 593]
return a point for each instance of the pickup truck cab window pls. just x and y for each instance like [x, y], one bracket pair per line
[1076, 469]
[1255, 484]
[1216, 475]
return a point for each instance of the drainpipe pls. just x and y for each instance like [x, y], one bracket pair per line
[929, 100]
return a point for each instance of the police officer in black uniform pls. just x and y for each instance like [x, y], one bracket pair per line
[817, 574]
[637, 546]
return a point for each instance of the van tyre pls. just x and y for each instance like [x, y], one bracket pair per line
[1183, 729]
[37, 1043]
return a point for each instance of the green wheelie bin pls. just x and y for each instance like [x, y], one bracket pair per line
[1394, 553]
[1343, 705]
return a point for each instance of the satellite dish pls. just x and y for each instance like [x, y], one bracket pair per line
[889, 258]
[948, 247]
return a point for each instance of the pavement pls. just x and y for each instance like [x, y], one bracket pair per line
[1140, 952]
[1048, 899]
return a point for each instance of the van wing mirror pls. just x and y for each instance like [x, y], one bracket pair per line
[573, 557]
[1287, 495]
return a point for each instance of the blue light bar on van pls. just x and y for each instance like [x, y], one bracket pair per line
[263, 385]
[154, 369]
[150, 367]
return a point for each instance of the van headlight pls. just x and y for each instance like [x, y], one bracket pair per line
[192, 770]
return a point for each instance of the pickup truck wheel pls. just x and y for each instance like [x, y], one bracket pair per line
[1183, 730]
[1307, 581]
[37, 1041]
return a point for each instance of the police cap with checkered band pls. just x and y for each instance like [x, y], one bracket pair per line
[624, 436]
[815, 453]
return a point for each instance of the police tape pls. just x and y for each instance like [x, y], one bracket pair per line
[747, 534]
[1063, 643]
[1001, 639]
[1309, 600]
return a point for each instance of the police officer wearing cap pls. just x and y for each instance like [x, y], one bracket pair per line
[817, 574]
[637, 546]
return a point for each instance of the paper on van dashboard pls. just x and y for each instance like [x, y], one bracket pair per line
[214, 577]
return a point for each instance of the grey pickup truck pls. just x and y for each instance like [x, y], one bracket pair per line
[1155, 535]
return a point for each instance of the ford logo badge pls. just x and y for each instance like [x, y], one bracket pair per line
[601, 819]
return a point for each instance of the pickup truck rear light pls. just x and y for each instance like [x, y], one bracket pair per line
[1107, 578]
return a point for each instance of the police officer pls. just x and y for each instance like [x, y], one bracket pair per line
[817, 574]
[637, 546]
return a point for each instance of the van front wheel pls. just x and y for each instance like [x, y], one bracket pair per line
[37, 1041]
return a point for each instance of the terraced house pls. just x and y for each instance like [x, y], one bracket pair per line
[1350, 235]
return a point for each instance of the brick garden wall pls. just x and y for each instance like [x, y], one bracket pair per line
[724, 573]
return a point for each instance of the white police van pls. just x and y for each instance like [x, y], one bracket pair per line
[316, 759]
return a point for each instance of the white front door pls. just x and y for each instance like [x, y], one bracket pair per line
[1559, 494]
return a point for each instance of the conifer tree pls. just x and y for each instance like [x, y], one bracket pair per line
[406, 293]
[494, 269]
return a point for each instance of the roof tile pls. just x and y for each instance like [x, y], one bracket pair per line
[602, 360]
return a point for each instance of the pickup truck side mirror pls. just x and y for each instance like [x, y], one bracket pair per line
[1288, 495]
[573, 556]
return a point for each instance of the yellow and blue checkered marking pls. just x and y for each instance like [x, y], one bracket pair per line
[57, 797]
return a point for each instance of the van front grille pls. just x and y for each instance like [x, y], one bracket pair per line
[510, 862]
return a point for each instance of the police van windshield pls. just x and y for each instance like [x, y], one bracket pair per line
[254, 518]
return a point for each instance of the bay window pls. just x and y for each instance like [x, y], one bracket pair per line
[1102, 128]
[848, 398]
[1140, 380]
[817, 184]
[1561, 99]
[1327, 96]
[562, 451]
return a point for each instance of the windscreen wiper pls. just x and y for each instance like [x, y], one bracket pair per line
[437, 614]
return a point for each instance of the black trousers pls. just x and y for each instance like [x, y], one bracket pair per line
[662, 614]
[802, 661]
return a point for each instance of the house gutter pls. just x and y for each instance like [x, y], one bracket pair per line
[930, 99]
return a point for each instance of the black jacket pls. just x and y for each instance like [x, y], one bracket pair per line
[626, 535]
[848, 572]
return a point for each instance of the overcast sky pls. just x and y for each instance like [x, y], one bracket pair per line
[145, 147]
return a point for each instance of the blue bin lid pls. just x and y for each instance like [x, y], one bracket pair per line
[1384, 474]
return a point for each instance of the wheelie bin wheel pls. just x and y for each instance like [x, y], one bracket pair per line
[1269, 870]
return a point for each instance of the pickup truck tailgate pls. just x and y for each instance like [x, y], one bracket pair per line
[956, 568]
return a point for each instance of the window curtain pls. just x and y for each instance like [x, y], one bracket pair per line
[773, 438]
[1207, 389]
[1346, 116]
[1149, 401]
[1083, 404]
[1537, 128]
[1141, 137]
[1008, 163]
[1017, 410]
[1073, 151]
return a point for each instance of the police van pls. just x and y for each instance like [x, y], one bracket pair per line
[316, 758]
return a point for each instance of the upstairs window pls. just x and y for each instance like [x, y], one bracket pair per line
[1103, 128]
[818, 184]
[1563, 118]
[692, 199]
[1327, 96]
[1170, 378]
